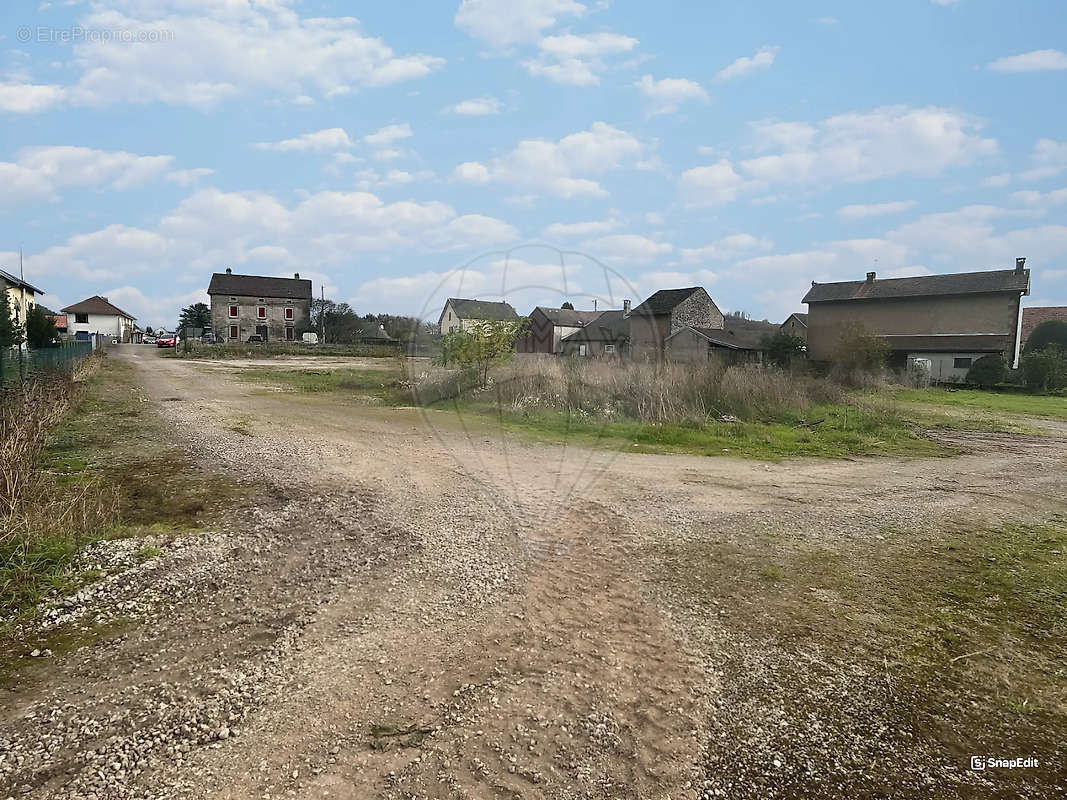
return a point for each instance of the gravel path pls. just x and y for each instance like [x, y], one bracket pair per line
[430, 609]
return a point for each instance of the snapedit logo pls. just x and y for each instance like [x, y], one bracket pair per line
[979, 763]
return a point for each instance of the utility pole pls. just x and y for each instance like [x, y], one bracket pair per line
[22, 272]
[322, 315]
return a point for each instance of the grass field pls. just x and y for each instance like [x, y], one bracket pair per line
[218, 352]
[884, 422]
[983, 402]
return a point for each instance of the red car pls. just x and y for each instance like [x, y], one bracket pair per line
[167, 341]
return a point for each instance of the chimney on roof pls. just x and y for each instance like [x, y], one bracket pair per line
[296, 275]
[870, 277]
[626, 308]
[1019, 262]
[229, 271]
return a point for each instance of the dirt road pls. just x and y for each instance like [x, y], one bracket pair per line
[426, 607]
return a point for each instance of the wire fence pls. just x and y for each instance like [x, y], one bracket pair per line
[19, 365]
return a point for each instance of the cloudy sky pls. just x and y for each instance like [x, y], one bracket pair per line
[397, 153]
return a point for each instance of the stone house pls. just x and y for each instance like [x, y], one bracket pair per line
[1032, 317]
[796, 325]
[606, 336]
[277, 309]
[739, 341]
[939, 322]
[460, 314]
[96, 316]
[549, 326]
[665, 313]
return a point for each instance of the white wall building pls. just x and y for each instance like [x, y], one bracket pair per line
[96, 315]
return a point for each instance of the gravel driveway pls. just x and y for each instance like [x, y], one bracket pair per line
[426, 607]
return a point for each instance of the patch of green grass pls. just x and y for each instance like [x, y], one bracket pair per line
[382, 385]
[106, 472]
[976, 400]
[844, 432]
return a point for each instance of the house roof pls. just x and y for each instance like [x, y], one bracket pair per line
[997, 280]
[951, 343]
[97, 305]
[259, 286]
[800, 317]
[608, 326]
[1032, 317]
[59, 319]
[482, 309]
[736, 334]
[18, 283]
[372, 331]
[665, 301]
[567, 317]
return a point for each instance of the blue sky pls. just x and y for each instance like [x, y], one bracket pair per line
[394, 152]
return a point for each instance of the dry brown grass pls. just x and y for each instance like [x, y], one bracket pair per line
[650, 392]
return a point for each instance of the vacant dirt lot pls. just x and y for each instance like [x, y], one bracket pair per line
[423, 607]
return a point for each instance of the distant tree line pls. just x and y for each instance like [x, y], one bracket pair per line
[342, 325]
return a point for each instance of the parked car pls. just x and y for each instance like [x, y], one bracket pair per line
[167, 341]
[255, 338]
[149, 340]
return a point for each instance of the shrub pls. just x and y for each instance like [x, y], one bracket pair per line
[1045, 370]
[783, 349]
[988, 371]
[1049, 332]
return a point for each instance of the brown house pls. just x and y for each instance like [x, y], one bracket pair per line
[548, 327]
[275, 309]
[666, 312]
[739, 341]
[796, 325]
[941, 322]
[1032, 317]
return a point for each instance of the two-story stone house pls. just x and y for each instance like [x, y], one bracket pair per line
[667, 312]
[275, 309]
[944, 322]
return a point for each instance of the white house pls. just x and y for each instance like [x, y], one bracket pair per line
[97, 315]
[21, 296]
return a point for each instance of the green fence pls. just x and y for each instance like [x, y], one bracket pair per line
[17, 365]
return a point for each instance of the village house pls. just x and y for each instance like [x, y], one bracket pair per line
[796, 325]
[1032, 317]
[21, 296]
[666, 312]
[275, 309]
[95, 316]
[941, 323]
[460, 314]
[606, 336]
[549, 326]
[739, 341]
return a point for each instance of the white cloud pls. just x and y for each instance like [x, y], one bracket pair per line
[626, 248]
[187, 177]
[324, 141]
[369, 179]
[476, 107]
[727, 248]
[944, 2]
[762, 59]
[570, 230]
[200, 54]
[864, 211]
[714, 185]
[390, 134]
[997, 181]
[848, 148]
[28, 98]
[577, 59]
[1034, 61]
[826, 20]
[39, 173]
[561, 168]
[503, 23]
[667, 94]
